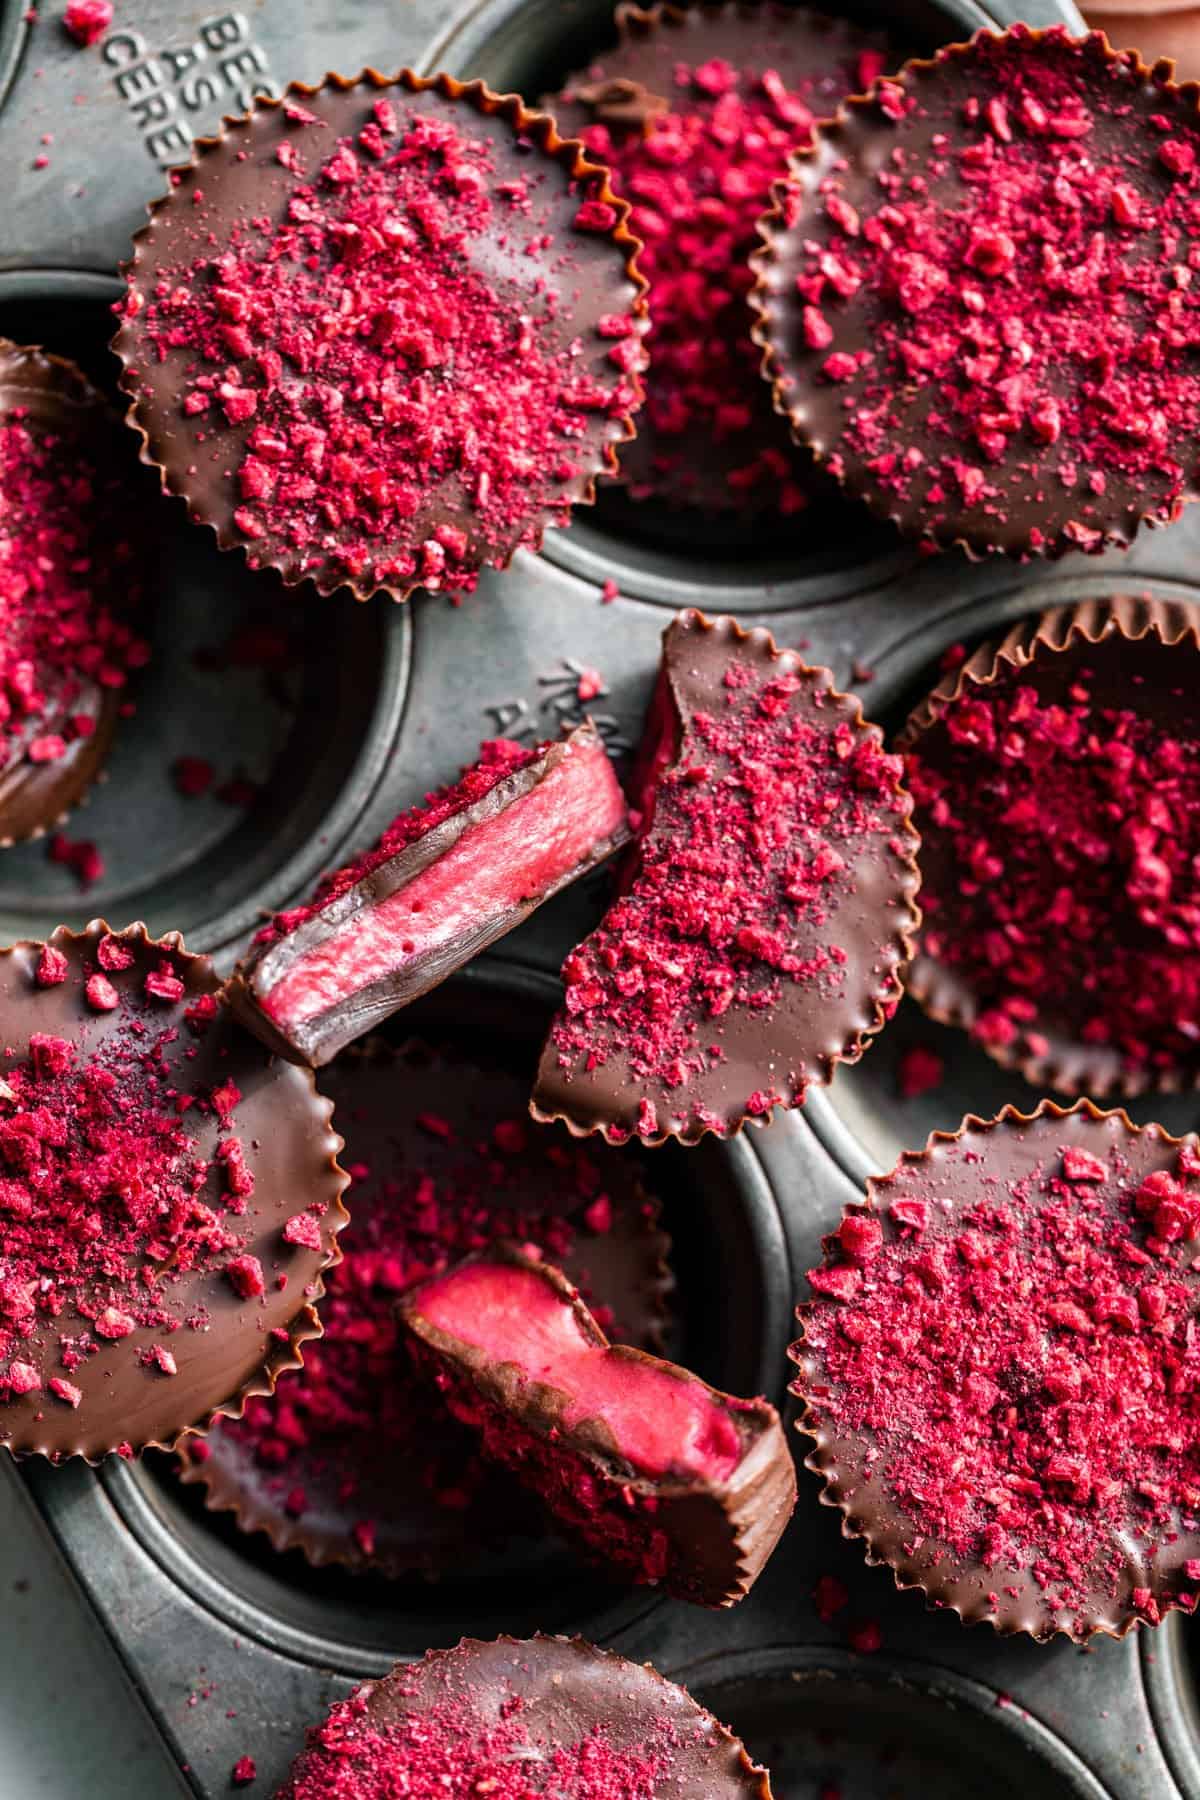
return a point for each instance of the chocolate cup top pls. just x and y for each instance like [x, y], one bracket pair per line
[283, 1125]
[626, 88]
[562, 1690]
[381, 1092]
[238, 175]
[990, 1160]
[1133, 644]
[811, 1029]
[1026, 500]
[57, 398]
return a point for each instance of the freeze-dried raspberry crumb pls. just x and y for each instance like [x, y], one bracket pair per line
[1016, 1368]
[80, 856]
[697, 170]
[830, 1597]
[65, 565]
[498, 758]
[245, 1770]
[246, 1276]
[1059, 808]
[87, 20]
[303, 1229]
[1002, 259]
[452, 411]
[52, 967]
[919, 1070]
[101, 994]
[865, 1636]
[192, 775]
[64, 1390]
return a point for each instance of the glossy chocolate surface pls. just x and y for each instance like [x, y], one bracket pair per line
[562, 1690]
[284, 1128]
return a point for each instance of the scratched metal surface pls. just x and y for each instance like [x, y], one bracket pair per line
[940, 1711]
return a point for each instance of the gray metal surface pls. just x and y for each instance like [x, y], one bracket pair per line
[184, 1599]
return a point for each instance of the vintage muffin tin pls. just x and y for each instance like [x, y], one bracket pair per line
[371, 706]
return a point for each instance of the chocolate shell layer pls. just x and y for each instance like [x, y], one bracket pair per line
[353, 1460]
[999, 1372]
[695, 110]
[1056, 785]
[474, 862]
[975, 299]
[71, 581]
[765, 913]
[169, 1198]
[381, 333]
[575, 1720]
[662, 1478]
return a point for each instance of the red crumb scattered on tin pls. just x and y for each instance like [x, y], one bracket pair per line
[865, 1636]
[80, 855]
[192, 775]
[244, 1771]
[919, 1070]
[830, 1596]
[87, 20]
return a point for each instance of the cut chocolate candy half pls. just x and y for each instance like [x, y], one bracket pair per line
[662, 1478]
[592, 1724]
[446, 880]
[765, 914]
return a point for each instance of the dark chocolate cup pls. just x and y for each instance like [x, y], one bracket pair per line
[1067, 1065]
[773, 287]
[540, 130]
[569, 1689]
[426, 1539]
[34, 798]
[948, 1582]
[229, 1366]
[649, 40]
[858, 1017]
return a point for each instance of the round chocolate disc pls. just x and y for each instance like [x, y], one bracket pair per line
[169, 1198]
[383, 332]
[572, 1719]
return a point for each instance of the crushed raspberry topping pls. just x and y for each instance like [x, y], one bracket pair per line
[354, 1431]
[87, 20]
[697, 168]
[1013, 1356]
[386, 368]
[457, 1749]
[61, 644]
[1060, 842]
[105, 1204]
[758, 813]
[497, 758]
[1001, 313]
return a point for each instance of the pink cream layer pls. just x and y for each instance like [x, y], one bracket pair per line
[520, 854]
[665, 1424]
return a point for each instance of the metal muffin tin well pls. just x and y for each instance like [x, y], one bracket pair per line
[383, 703]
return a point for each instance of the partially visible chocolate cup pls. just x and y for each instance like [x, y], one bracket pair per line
[383, 332]
[351, 1462]
[1056, 785]
[943, 275]
[608, 1727]
[997, 1369]
[694, 110]
[765, 913]
[169, 1198]
[1168, 28]
[72, 582]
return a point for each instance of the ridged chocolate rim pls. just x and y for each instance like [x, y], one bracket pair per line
[224, 1495]
[29, 368]
[803, 174]
[1068, 1066]
[821, 1459]
[902, 938]
[748, 1500]
[305, 1324]
[540, 127]
[761, 1790]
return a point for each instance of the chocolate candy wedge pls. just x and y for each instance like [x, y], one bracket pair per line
[555, 1715]
[447, 879]
[662, 1478]
[765, 914]
[169, 1198]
